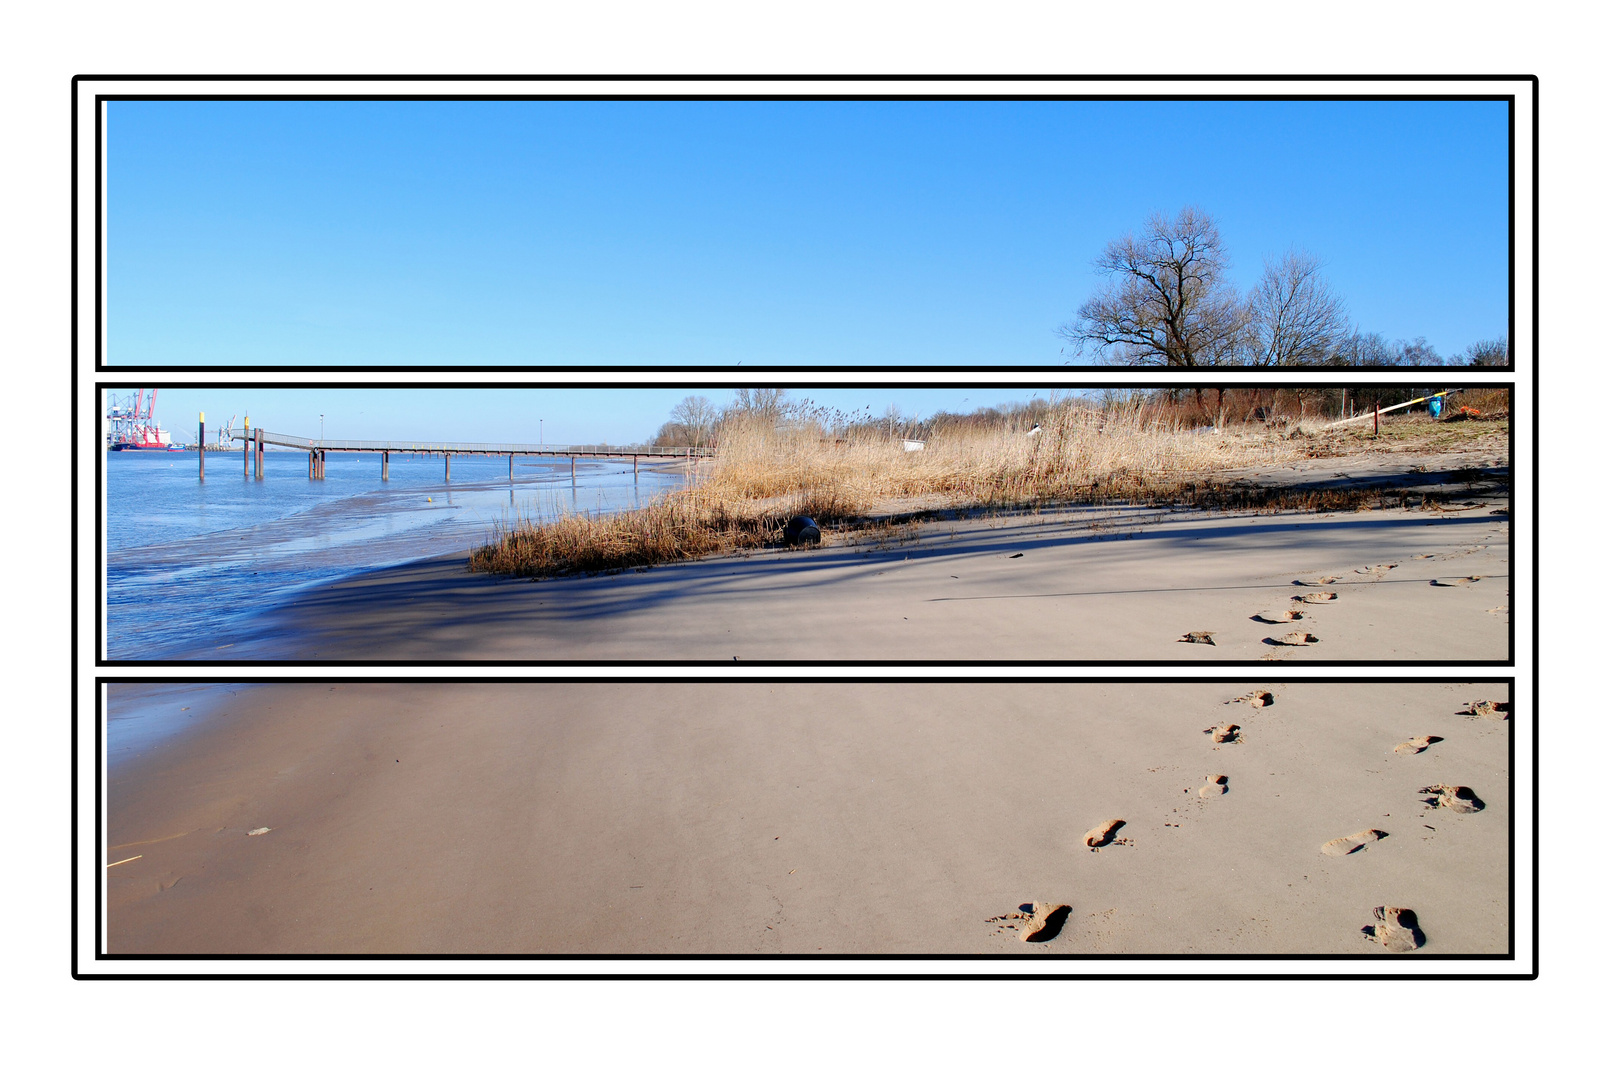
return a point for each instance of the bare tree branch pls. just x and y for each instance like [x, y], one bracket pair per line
[1294, 317]
[698, 416]
[1167, 301]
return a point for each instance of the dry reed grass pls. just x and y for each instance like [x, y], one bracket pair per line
[764, 474]
[1078, 452]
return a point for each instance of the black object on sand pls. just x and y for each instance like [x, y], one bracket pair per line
[801, 530]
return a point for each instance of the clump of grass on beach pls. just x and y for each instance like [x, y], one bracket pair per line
[764, 473]
[682, 525]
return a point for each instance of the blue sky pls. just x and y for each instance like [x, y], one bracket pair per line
[759, 233]
[504, 415]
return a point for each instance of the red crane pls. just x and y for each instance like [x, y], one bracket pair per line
[130, 425]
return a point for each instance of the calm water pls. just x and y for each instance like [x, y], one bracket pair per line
[189, 561]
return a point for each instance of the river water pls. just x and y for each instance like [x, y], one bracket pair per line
[189, 562]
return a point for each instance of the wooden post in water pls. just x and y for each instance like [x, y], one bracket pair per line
[257, 456]
[246, 450]
[446, 471]
[574, 468]
[512, 467]
[383, 466]
[201, 446]
[310, 463]
[635, 466]
[322, 464]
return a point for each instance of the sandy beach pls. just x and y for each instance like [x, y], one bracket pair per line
[1427, 578]
[1092, 583]
[805, 818]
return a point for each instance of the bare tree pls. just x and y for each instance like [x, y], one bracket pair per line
[765, 404]
[1417, 353]
[697, 416]
[673, 434]
[1357, 349]
[1496, 352]
[1294, 318]
[1167, 301]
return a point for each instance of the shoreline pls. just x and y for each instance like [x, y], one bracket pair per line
[805, 819]
[1084, 583]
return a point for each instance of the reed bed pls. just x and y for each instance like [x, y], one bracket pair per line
[765, 473]
[1078, 453]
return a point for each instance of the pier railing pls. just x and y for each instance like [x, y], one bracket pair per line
[253, 442]
[271, 438]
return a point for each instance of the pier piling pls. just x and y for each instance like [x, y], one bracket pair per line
[384, 456]
[201, 446]
[246, 452]
[257, 456]
[446, 458]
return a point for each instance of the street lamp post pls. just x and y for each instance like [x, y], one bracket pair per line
[321, 427]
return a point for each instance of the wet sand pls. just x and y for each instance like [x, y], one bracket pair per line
[1094, 583]
[761, 818]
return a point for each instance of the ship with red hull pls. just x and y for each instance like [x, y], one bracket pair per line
[130, 426]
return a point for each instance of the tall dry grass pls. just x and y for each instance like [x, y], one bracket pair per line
[1078, 450]
[763, 474]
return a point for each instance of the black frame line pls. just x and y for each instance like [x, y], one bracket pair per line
[807, 77]
[102, 386]
[1375, 961]
[72, 555]
[1509, 99]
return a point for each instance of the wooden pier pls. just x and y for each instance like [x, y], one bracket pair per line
[253, 442]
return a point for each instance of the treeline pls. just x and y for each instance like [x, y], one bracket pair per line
[1218, 406]
[1168, 302]
[697, 422]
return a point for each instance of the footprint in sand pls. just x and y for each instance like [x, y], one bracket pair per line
[1316, 597]
[1396, 929]
[1102, 835]
[1278, 616]
[1217, 786]
[1486, 708]
[1453, 797]
[1298, 637]
[1349, 845]
[1044, 921]
[1198, 637]
[1381, 568]
[1257, 699]
[1418, 744]
[1226, 733]
[1318, 583]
